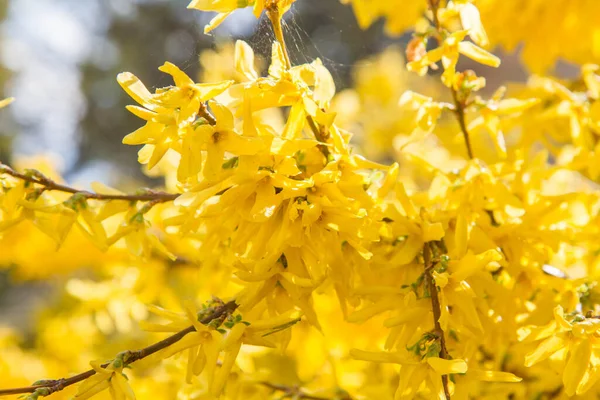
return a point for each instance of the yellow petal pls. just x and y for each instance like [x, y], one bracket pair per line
[577, 365]
[277, 66]
[7, 101]
[445, 367]
[405, 201]
[211, 350]
[192, 355]
[324, 86]
[270, 323]
[214, 161]
[461, 235]
[494, 376]
[259, 6]
[295, 122]
[144, 135]
[420, 66]
[233, 337]
[478, 54]
[161, 312]
[223, 116]
[160, 149]
[207, 91]
[411, 247]
[434, 231]
[470, 263]
[407, 315]
[544, 350]
[225, 370]
[242, 145]
[123, 386]
[192, 316]
[141, 112]
[471, 21]
[379, 356]
[94, 390]
[179, 77]
[244, 60]
[191, 158]
[389, 181]
[92, 381]
[199, 362]
[218, 5]
[216, 21]
[559, 317]
[145, 153]
[512, 106]
[136, 89]
[370, 311]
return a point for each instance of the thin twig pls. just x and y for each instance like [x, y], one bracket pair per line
[294, 392]
[275, 18]
[37, 178]
[203, 112]
[274, 15]
[459, 105]
[129, 357]
[437, 313]
[460, 116]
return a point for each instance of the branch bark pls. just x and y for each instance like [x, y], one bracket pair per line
[459, 111]
[295, 392]
[38, 178]
[56, 385]
[320, 133]
[437, 313]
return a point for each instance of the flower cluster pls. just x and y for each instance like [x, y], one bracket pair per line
[338, 271]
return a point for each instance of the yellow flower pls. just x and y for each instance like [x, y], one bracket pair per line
[491, 113]
[416, 376]
[203, 345]
[570, 338]
[171, 114]
[226, 7]
[109, 377]
[448, 53]
[457, 295]
[219, 139]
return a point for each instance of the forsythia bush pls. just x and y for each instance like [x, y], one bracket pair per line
[277, 262]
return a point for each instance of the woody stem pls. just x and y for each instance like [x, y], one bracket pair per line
[275, 18]
[38, 178]
[319, 131]
[436, 308]
[459, 105]
[56, 385]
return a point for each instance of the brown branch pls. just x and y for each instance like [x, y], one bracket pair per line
[436, 307]
[459, 105]
[460, 116]
[295, 392]
[203, 112]
[38, 178]
[275, 17]
[129, 357]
